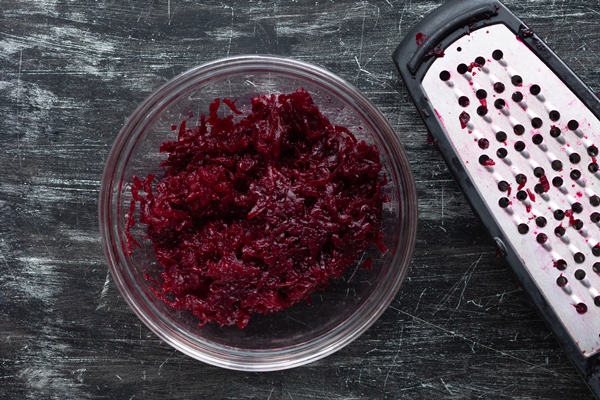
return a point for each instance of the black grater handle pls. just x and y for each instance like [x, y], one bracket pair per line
[413, 57]
[444, 21]
[456, 18]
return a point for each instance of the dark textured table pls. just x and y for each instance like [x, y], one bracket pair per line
[72, 71]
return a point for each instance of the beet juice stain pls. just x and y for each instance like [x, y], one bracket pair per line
[254, 216]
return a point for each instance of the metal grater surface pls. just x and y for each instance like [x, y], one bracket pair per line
[530, 147]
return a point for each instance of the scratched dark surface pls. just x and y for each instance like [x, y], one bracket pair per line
[72, 71]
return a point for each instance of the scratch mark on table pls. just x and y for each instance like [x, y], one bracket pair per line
[472, 345]
[442, 206]
[164, 362]
[169, 11]
[387, 376]
[401, 18]
[446, 386]
[10, 271]
[401, 338]
[360, 69]
[419, 301]
[465, 280]
[467, 277]
[104, 291]
[269, 398]
[476, 343]
[230, 32]
[592, 10]
[371, 58]
[476, 303]
[362, 35]
[18, 99]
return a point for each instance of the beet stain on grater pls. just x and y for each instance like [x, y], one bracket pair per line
[520, 132]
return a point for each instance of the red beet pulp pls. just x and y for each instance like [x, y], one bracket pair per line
[254, 216]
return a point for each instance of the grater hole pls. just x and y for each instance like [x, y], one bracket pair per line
[485, 160]
[572, 125]
[519, 146]
[592, 151]
[541, 238]
[575, 174]
[483, 143]
[554, 115]
[482, 110]
[541, 222]
[562, 281]
[521, 179]
[555, 131]
[519, 129]
[597, 301]
[577, 224]
[596, 251]
[462, 68]
[559, 231]
[535, 90]
[517, 96]
[593, 167]
[577, 208]
[581, 308]
[522, 195]
[538, 172]
[561, 265]
[464, 119]
[574, 158]
[501, 152]
[523, 229]
[499, 87]
[497, 55]
[459, 49]
[579, 258]
[503, 186]
[557, 181]
[480, 60]
[595, 217]
[537, 138]
[536, 122]
[463, 101]
[559, 215]
[539, 188]
[501, 136]
[444, 75]
[596, 267]
[595, 201]
[500, 104]
[580, 274]
[517, 80]
[481, 94]
[557, 165]
[503, 202]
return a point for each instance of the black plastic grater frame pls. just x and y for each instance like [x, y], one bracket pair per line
[415, 57]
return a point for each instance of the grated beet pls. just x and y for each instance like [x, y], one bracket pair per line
[254, 216]
[420, 38]
[464, 119]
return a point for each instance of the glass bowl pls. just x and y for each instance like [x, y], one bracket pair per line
[301, 333]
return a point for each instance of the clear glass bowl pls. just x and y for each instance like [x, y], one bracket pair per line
[302, 333]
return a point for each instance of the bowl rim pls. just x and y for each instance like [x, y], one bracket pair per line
[263, 360]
